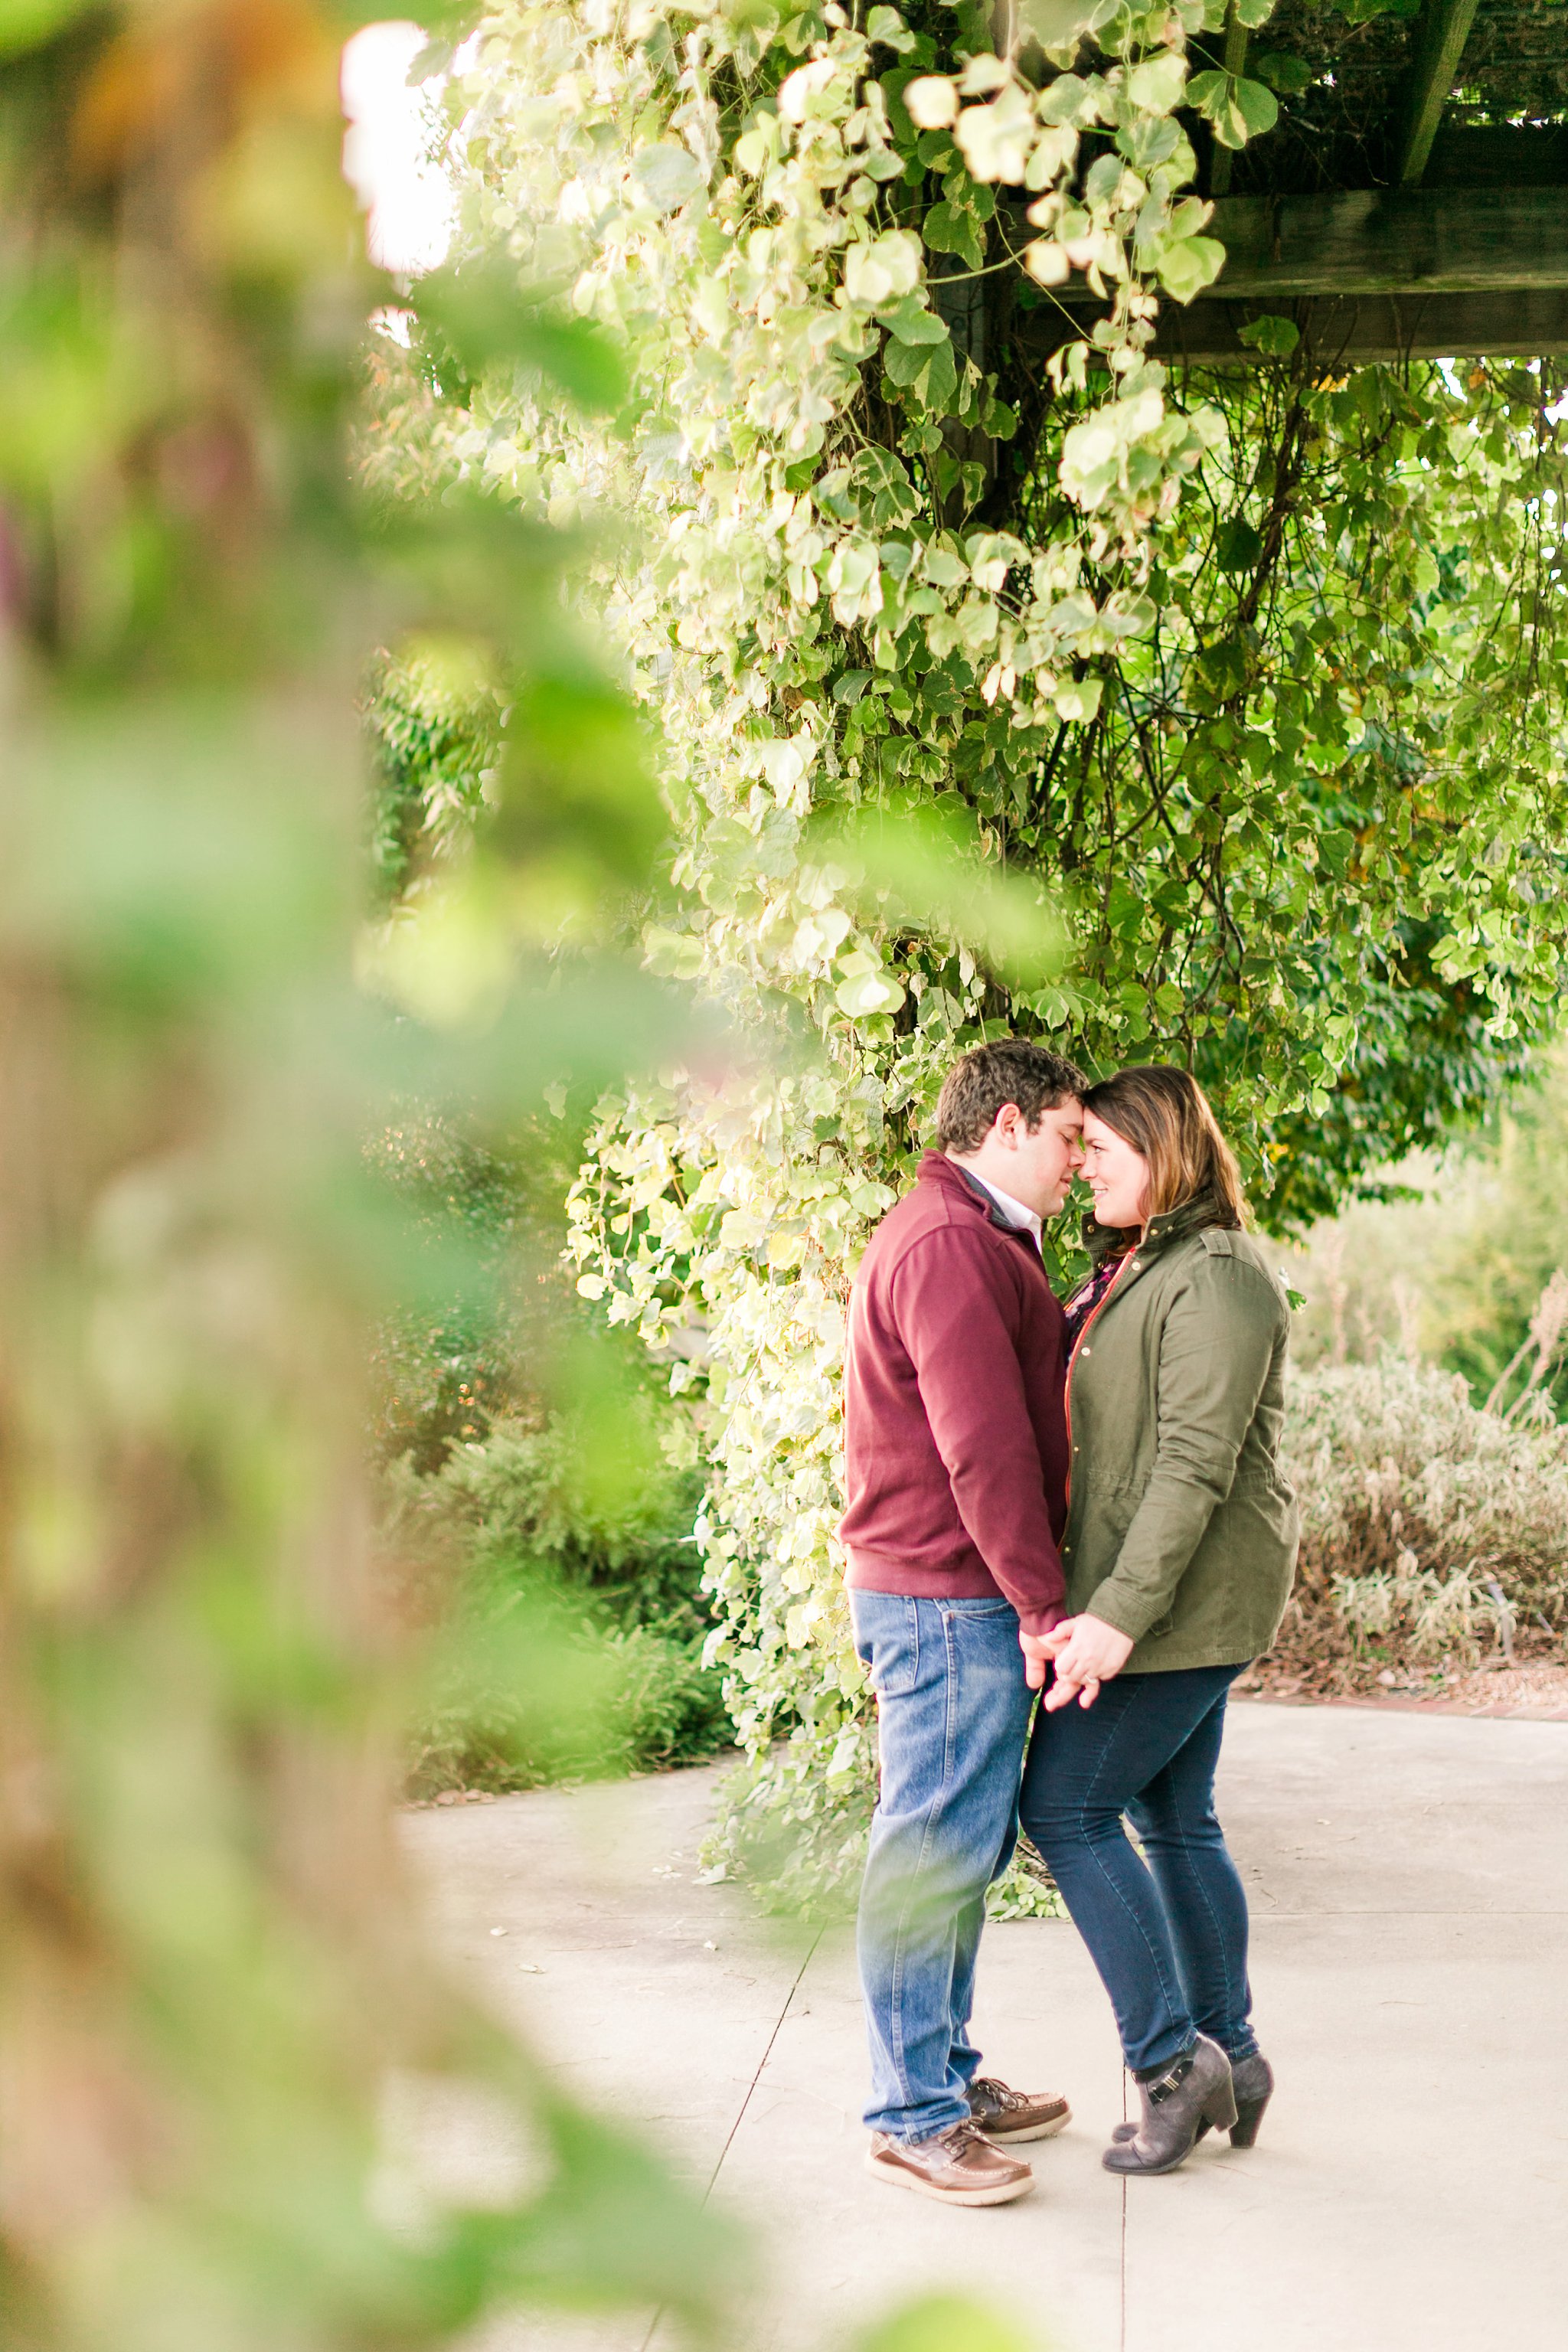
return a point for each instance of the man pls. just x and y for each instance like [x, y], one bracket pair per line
[956, 1458]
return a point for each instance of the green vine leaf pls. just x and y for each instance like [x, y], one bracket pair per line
[911, 323]
[668, 175]
[951, 227]
[1238, 546]
[1282, 72]
[886, 25]
[1238, 109]
[1189, 265]
[928, 370]
[1276, 337]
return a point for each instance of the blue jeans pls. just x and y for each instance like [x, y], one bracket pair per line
[952, 1709]
[1169, 1936]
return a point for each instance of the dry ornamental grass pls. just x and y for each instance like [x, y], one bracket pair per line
[1434, 1533]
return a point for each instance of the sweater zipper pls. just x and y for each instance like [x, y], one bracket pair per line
[1105, 1298]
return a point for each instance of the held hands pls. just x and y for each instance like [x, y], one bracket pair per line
[1038, 1655]
[1087, 1652]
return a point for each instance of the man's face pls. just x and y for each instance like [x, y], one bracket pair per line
[1044, 1158]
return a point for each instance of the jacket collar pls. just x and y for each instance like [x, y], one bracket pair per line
[936, 1168]
[1174, 1226]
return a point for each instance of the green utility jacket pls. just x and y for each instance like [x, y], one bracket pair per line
[1182, 1531]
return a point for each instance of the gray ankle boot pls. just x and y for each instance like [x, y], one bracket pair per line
[1194, 2091]
[1252, 2080]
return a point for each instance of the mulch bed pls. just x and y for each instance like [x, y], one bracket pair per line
[1532, 1690]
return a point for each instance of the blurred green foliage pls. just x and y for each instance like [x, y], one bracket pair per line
[1507, 1241]
[1455, 1263]
[946, 2323]
[535, 1544]
[434, 727]
[518, 1528]
[484, 1229]
[208, 1964]
[526, 1691]
[207, 1967]
[1427, 1067]
[615, 1528]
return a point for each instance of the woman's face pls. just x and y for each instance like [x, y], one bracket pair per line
[1115, 1174]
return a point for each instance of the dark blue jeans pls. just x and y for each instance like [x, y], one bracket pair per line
[952, 1709]
[1168, 1935]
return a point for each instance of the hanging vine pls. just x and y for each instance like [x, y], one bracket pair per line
[1260, 689]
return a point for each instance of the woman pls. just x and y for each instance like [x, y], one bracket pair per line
[1179, 1550]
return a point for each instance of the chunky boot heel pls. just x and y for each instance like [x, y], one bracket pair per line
[1249, 2115]
[1252, 2080]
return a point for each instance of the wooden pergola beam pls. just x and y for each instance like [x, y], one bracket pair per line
[1339, 332]
[1440, 38]
[1380, 274]
[1393, 241]
[1342, 333]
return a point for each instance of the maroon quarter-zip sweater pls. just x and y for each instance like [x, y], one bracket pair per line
[956, 1432]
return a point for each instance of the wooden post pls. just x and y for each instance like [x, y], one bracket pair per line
[1440, 38]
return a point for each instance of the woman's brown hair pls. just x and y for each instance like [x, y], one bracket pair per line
[1163, 1112]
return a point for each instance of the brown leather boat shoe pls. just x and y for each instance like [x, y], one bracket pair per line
[959, 2167]
[1004, 2114]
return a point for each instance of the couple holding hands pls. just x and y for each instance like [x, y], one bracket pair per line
[1084, 1501]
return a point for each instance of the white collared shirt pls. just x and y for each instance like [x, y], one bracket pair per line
[1023, 1220]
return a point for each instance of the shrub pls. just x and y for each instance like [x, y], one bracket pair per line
[482, 1235]
[562, 1561]
[1429, 1528]
[621, 1527]
[525, 1694]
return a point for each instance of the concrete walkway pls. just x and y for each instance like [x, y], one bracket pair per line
[1409, 1880]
